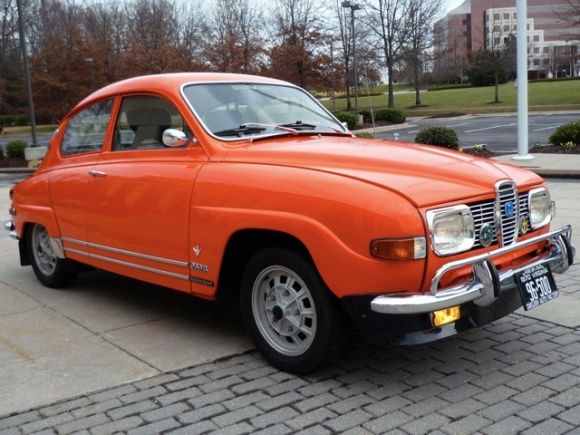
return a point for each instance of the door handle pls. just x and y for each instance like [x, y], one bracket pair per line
[97, 173]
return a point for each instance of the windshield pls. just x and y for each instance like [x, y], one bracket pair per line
[234, 110]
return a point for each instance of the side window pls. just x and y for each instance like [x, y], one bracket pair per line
[142, 121]
[85, 132]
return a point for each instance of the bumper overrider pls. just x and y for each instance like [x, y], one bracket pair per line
[487, 284]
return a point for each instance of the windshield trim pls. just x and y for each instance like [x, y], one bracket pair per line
[256, 136]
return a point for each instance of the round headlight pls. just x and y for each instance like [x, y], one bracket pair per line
[452, 229]
[539, 206]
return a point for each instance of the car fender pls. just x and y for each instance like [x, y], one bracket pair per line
[333, 216]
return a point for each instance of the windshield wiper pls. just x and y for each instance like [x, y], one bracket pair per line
[299, 125]
[241, 130]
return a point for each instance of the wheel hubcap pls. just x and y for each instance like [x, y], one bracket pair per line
[42, 250]
[284, 310]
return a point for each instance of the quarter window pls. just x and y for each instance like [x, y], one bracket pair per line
[85, 131]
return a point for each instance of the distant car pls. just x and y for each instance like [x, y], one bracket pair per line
[247, 189]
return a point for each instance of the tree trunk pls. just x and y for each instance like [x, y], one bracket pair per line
[417, 88]
[495, 79]
[391, 99]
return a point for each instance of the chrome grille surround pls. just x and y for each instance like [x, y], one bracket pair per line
[506, 193]
[505, 230]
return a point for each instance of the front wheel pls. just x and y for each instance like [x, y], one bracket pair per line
[48, 268]
[288, 311]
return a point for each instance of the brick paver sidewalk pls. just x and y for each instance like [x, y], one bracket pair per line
[518, 375]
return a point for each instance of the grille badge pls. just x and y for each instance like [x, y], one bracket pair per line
[486, 235]
[509, 209]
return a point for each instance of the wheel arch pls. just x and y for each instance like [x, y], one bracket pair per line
[243, 244]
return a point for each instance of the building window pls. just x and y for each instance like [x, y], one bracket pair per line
[506, 28]
[506, 16]
[536, 62]
[536, 38]
[496, 29]
[536, 50]
[546, 50]
[496, 16]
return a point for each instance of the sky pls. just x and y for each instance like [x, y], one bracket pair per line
[452, 4]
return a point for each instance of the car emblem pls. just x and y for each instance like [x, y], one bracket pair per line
[486, 235]
[509, 209]
[524, 225]
[196, 250]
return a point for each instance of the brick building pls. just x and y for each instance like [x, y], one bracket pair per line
[553, 42]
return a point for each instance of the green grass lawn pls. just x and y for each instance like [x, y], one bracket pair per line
[556, 95]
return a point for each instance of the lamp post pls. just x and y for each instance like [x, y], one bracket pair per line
[353, 7]
[26, 73]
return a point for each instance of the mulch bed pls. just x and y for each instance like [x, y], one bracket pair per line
[10, 162]
[555, 149]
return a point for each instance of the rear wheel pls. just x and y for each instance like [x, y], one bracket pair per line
[288, 311]
[48, 268]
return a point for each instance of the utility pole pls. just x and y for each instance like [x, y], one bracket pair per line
[353, 7]
[26, 73]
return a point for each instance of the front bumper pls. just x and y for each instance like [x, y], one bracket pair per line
[9, 226]
[487, 283]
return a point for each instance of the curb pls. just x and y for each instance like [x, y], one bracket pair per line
[17, 170]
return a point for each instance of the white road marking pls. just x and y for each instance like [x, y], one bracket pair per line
[547, 128]
[413, 131]
[491, 128]
[457, 125]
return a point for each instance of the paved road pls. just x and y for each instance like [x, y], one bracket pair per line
[499, 133]
[112, 354]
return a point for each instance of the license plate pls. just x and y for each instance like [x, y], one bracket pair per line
[536, 285]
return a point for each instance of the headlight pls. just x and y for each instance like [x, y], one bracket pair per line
[539, 206]
[451, 229]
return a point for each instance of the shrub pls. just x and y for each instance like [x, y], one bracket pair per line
[348, 117]
[569, 132]
[392, 115]
[1, 153]
[365, 135]
[15, 149]
[9, 120]
[440, 136]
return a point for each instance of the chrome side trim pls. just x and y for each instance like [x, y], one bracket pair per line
[128, 253]
[9, 226]
[132, 265]
[486, 283]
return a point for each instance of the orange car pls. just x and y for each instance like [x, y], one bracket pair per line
[246, 188]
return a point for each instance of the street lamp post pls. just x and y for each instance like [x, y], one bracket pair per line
[353, 7]
[26, 72]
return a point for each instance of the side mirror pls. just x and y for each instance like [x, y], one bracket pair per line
[345, 125]
[174, 138]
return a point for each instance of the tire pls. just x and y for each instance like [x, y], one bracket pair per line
[49, 269]
[289, 312]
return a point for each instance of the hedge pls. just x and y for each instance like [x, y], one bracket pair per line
[437, 135]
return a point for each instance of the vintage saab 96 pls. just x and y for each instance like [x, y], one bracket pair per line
[246, 189]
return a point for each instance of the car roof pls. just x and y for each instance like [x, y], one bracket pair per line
[161, 83]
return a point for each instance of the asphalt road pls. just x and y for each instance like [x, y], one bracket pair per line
[498, 133]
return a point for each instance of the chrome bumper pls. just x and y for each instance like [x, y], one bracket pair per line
[9, 226]
[487, 282]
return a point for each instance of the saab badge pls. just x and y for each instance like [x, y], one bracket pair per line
[524, 225]
[486, 235]
[509, 209]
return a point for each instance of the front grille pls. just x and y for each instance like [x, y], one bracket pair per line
[484, 213]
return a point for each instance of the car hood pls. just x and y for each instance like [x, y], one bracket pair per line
[425, 175]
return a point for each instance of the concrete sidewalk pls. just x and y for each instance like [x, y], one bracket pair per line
[548, 165]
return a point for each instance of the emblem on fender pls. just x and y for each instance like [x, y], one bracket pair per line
[486, 235]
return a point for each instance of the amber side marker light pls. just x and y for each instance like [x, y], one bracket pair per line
[448, 315]
[399, 249]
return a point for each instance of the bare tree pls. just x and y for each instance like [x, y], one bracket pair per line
[388, 20]
[421, 15]
[236, 43]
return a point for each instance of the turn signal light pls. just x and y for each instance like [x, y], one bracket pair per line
[399, 249]
[448, 315]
